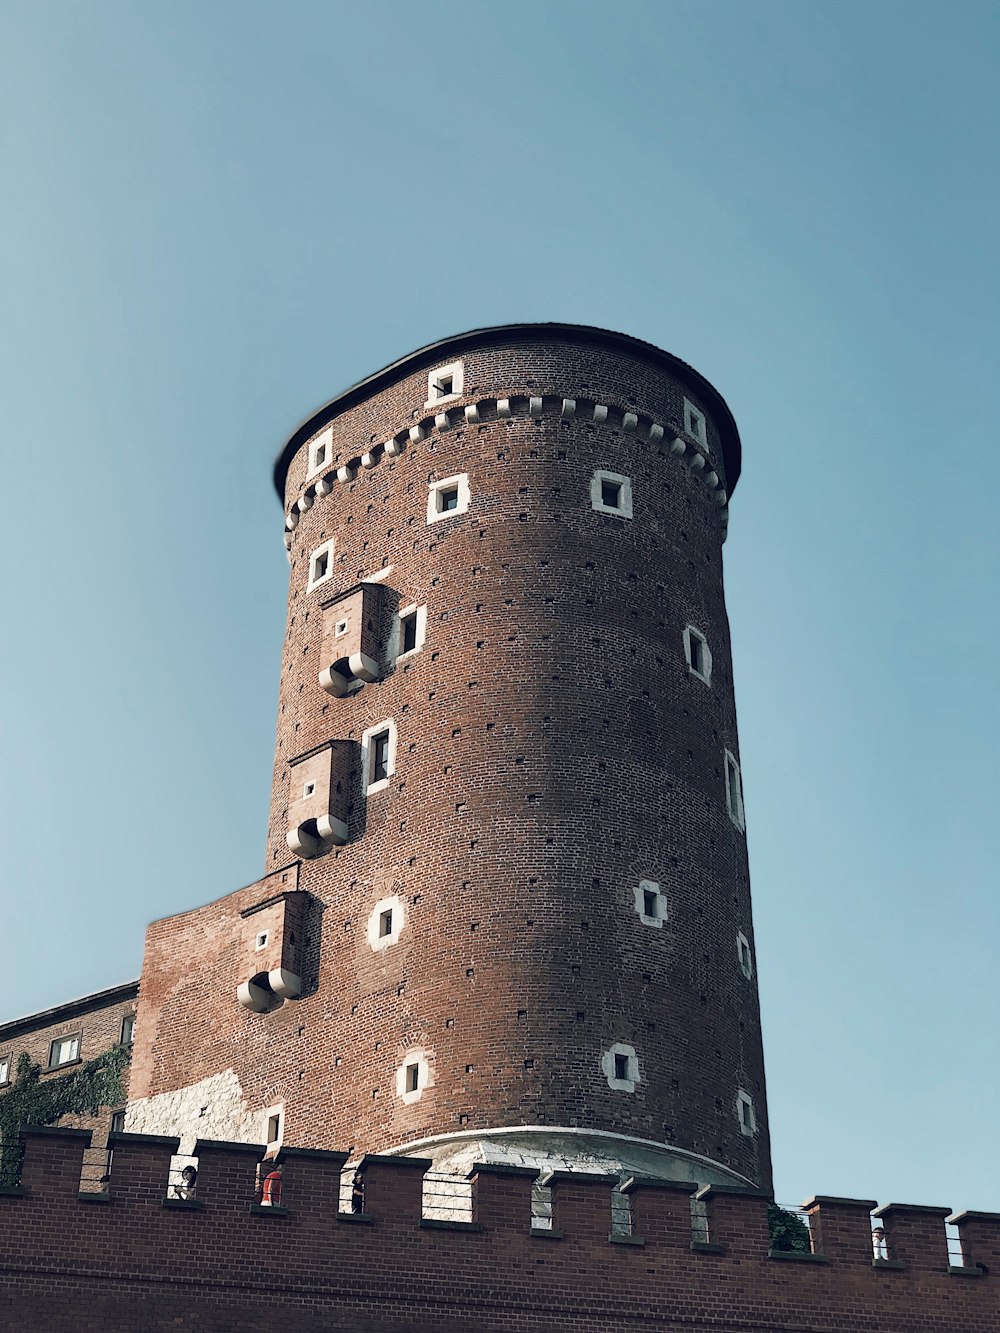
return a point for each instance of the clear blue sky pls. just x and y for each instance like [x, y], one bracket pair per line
[215, 216]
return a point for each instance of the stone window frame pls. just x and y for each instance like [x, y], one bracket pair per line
[609, 1069]
[737, 815]
[706, 653]
[420, 1059]
[455, 370]
[74, 1059]
[127, 1037]
[662, 914]
[367, 755]
[397, 906]
[695, 423]
[624, 507]
[262, 940]
[6, 1064]
[325, 548]
[321, 441]
[396, 636]
[745, 1114]
[744, 955]
[276, 1112]
[435, 489]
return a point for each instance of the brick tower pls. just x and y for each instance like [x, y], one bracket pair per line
[506, 909]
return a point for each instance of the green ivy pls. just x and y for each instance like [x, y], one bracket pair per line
[29, 1101]
[788, 1232]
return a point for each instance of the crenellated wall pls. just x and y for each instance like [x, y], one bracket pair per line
[131, 1258]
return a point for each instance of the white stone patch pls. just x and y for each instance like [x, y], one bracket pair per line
[213, 1108]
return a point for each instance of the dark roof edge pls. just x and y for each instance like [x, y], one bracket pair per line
[128, 990]
[499, 333]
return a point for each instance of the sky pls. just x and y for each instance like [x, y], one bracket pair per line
[215, 217]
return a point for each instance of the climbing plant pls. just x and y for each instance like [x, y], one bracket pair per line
[788, 1232]
[30, 1101]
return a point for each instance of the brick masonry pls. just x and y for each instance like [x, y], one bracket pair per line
[553, 750]
[218, 1263]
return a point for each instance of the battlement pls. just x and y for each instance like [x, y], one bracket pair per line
[225, 1257]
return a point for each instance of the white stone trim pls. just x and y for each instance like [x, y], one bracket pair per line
[455, 371]
[744, 955]
[623, 509]
[692, 631]
[277, 1111]
[397, 907]
[378, 576]
[396, 636]
[320, 451]
[435, 490]
[261, 940]
[424, 1080]
[660, 913]
[368, 754]
[734, 789]
[694, 423]
[316, 561]
[608, 1069]
[745, 1114]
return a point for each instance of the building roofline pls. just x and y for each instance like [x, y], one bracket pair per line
[127, 990]
[500, 333]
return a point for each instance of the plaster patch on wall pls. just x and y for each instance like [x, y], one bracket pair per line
[213, 1108]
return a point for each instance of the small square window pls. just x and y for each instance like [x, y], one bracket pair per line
[445, 382]
[64, 1051]
[378, 749]
[447, 497]
[650, 903]
[412, 1083]
[620, 1066]
[611, 493]
[320, 565]
[262, 939]
[385, 923]
[341, 628]
[128, 1029]
[411, 627]
[309, 789]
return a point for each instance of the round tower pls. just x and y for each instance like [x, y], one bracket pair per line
[507, 761]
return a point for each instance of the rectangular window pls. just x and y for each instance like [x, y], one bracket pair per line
[412, 1078]
[697, 655]
[744, 1108]
[64, 1051]
[694, 422]
[320, 451]
[734, 791]
[128, 1029]
[4, 1069]
[385, 923]
[408, 632]
[448, 496]
[621, 1065]
[610, 493]
[273, 1127]
[744, 955]
[118, 1122]
[380, 756]
[445, 382]
[261, 941]
[320, 565]
[447, 499]
[649, 897]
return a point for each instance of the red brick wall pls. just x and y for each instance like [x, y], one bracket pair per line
[553, 750]
[218, 1265]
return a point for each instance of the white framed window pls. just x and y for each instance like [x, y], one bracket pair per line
[128, 1031]
[64, 1051]
[385, 923]
[378, 756]
[308, 789]
[611, 493]
[694, 423]
[445, 382]
[320, 451]
[274, 1126]
[413, 1076]
[4, 1070]
[745, 1114]
[650, 903]
[698, 654]
[620, 1066]
[261, 941]
[447, 498]
[321, 565]
[734, 792]
[744, 955]
[409, 631]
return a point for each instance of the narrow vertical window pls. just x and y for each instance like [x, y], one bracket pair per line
[320, 565]
[128, 1029]
[378, 756]
[697, 653]
[745, 1114]
[412, 1078]
[744, 955]
[385, 923]
[694, 422]
[734, 791]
